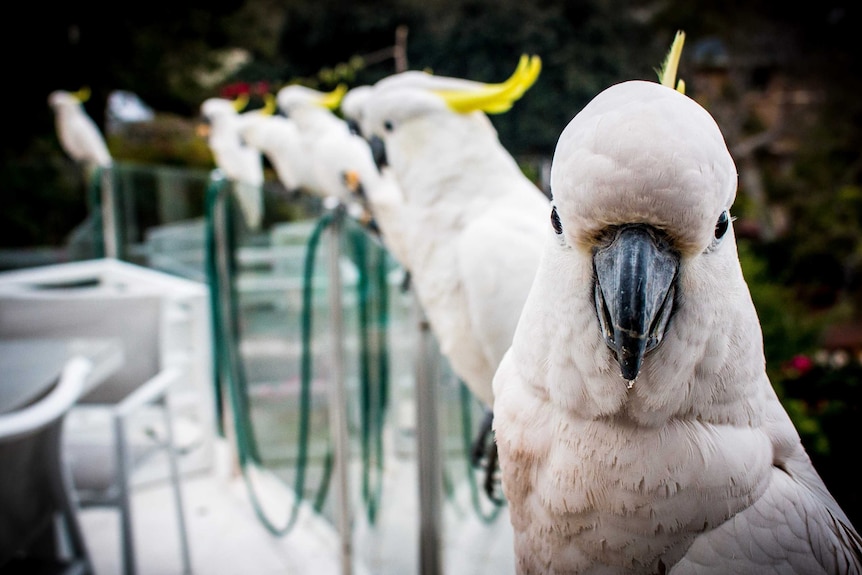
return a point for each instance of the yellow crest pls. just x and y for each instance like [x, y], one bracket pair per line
[240, 102]
[670, 67]
[82, 95]
[269, 105]
[331, 100]
[495, 98]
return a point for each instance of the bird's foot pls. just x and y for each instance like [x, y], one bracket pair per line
[483, 455]
[405, 282]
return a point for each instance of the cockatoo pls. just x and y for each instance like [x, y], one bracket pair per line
[376, 187]
[78, 134]
[278, 138]
[340, 160]
[636, 427]
[351, 107]
[311, 111]
[384, 199]
[472, 222]
[241, 164]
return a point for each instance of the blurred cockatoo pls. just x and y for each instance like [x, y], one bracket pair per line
[311, 112]
[376, 187]
[279, 139]
[241, 164]
[78, 134]
[636, 426]
[340, 161]
[472, 222]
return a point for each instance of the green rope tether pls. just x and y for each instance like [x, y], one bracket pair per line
[372, 292]
[221, 263]
[466, 426]
[305, 374]
[211, 199]
[229, 376]
[228, 369]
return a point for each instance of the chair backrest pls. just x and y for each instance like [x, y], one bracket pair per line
[32, 487]
[51, 406]
[79, 312]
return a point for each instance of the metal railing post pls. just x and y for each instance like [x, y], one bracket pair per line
[338, 398]
[110, 233]
[428, 449]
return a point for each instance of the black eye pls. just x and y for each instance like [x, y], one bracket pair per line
[555, 221]
[387, 125]
[721, 225]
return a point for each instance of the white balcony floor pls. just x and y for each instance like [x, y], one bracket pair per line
[227, 538]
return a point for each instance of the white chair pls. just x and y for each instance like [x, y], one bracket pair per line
[123, 407]
[39, 531]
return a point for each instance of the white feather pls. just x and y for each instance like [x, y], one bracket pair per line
[278, 138]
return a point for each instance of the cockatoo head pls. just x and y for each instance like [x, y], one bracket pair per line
[294, 97]
[642, 181]
[424, 80]
[410, 97]
[60, 100]
[214, 108]
[217, 111]
[351, 107]
[390, 113]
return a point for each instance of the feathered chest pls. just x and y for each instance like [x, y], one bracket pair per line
[614, 493]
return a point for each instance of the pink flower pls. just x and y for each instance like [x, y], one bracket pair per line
[801, 364]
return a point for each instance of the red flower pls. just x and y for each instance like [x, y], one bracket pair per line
[231, 91]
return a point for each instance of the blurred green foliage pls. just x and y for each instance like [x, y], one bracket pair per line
[825, 403]
[822, 397]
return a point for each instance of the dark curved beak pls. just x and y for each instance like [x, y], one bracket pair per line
[353, 125]
[634, 293]
[378, 151]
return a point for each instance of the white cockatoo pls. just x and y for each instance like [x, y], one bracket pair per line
[472, 221]
[351, 106]
[341, 164]
[241, 164]
[376, 187]
[312, 112]
[278, 138]
[383, 197]
[636, 427]
[78, 134]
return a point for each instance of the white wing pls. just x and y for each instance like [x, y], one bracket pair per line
[796, 526]
[279, 140]
[497, 257]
